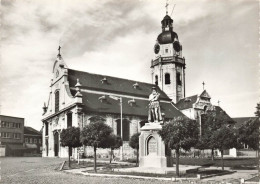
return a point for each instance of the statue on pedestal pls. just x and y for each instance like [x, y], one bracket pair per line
[155, 114]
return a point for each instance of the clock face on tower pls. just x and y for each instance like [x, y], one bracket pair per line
[156, 48]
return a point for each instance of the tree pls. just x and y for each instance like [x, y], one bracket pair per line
[180, 134]
[113, 142]
[134, 143]
[224, 138]
[249, 133]
[95, 134]
[70, 137]
[218, 132]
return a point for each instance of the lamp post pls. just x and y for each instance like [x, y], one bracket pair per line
[257, 113]
[121, 121]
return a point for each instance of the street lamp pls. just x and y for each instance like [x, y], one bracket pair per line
[257, 113]
[121, 121]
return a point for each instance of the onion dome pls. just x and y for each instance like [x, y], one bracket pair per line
[167, 37]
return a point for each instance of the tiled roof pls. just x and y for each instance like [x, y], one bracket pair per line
[91, 85]
[30, 130]
[219, 109]
[241, 120]
[139, 108]
[187, 102]
[112, 84]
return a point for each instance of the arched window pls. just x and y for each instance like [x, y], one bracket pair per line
[178, 78]
[156, 80]
[69, 119]
[126, 129]
[167, 78]
[57, 101]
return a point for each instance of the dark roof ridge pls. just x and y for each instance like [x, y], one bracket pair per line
[111, 76]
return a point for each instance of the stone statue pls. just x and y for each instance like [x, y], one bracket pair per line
[154, 107]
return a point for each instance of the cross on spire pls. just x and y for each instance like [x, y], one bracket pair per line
[203, 83]
[166, 6]
[59, 50]
[218, 102]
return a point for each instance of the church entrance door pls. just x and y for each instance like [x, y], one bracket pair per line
[56, 144]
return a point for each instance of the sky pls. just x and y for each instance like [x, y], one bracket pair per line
[116, 38]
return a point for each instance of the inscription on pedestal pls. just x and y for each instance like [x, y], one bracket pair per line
[152, 146]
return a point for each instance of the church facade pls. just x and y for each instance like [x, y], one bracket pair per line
[77, 98]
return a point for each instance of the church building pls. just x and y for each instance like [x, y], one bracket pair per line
[77, 98]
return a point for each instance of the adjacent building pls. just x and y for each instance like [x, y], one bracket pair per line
[32, 141]
[12, 137]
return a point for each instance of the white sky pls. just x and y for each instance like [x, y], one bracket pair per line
[116, 37]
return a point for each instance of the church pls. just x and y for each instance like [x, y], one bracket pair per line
[77, 98]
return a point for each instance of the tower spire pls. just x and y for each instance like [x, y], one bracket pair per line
[203, 83]
[166, 6]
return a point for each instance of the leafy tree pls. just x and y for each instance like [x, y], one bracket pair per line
[249, 133]
[70, 137]
[134, 143]
[95, 134]
[218, 132]
[212, 121]
[224, 138]
[180, 134]
[113, 142]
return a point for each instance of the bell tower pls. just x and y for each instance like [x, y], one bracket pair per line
[168, 65]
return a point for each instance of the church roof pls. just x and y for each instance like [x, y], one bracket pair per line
[187, 102]
[241, 120]
[92, 85]
[139, 108]
[112, 84]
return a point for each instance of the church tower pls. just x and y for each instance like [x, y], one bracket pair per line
[168, 65]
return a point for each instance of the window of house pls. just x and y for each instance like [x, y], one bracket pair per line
[167, 78]
[26, 140]
[178, 78]
[69, 119]
[31, 140]
[17, 136]
[35, 141]
[156, 80]
[57, 101]
[6, 135]
[166, 50]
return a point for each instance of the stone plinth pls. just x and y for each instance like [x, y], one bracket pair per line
[151, 147]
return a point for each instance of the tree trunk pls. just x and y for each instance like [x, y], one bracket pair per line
[137, 157]
[212, 154]
[95, 159]
[111, 155]
[222, 160]
[177, 161]
[69, 156]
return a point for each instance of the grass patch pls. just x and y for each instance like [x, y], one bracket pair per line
[242, 163]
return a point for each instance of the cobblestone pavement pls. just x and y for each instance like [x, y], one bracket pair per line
[34, 170]
[37, 170]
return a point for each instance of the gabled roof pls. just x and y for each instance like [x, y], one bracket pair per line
[187, 102]
[112, 84]
[32, 131]
[94, 86]
[205, 94]
[241, 120]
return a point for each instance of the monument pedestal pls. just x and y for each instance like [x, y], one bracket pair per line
[151, 147]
